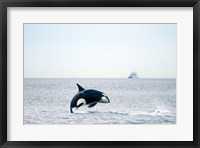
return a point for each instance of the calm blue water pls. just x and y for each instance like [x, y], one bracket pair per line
[140, 101]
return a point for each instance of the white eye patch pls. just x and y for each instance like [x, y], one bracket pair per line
[81, 101]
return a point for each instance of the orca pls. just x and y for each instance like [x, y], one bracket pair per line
[88, 97]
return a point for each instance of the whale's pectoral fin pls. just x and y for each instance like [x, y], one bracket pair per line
[92, 104]
[71, 110]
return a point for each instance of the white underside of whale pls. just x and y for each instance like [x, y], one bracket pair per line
[104, 100]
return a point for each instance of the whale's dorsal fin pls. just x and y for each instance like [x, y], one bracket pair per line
[80, 88]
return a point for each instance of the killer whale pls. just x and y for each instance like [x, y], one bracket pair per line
[88, 97]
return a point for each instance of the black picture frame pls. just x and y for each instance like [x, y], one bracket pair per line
[4, 4]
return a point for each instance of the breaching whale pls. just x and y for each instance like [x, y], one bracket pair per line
[88, 97]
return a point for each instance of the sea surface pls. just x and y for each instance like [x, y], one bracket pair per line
[132, 101]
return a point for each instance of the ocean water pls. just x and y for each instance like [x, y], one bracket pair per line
[132, 101]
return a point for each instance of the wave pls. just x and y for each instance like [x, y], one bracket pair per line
[119, 113]
[157, 111]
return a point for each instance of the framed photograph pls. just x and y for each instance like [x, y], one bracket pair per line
[99, 73]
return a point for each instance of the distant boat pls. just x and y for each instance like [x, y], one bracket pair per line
[133, 75]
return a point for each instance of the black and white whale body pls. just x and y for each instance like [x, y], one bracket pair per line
[88, 97]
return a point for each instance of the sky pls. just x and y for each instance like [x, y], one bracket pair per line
[99, 50]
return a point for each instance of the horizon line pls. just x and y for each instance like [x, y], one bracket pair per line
[100, 78]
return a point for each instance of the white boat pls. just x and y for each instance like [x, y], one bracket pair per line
[133, 75]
